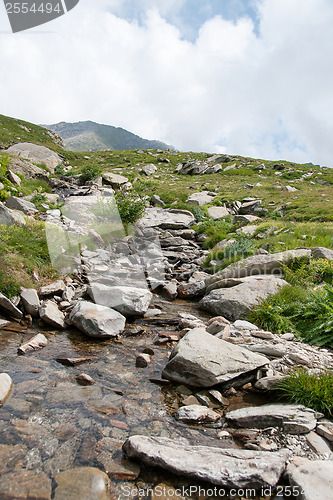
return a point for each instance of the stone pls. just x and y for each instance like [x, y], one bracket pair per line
[198, 168]
[25, 484]
[166, 219]
[248, 219]
[322, 253]
[15, 179]
[312, 480]
[97, 321]
[290, 189]
[84, 483]
[30, 301]
[197, 414]
[36, 154]
[128, 300]
[51, 314]
[170, 290]
[262, 335]
[8, 306]
[11, 456]
[21, 205]
[244, 325]
[149, 169]
[319, 445]
[200, 198]
[143, 360]
[6, 385]
[217, 213]
[84, 379]
[202, 360]
[57, 287]
[247, 230]
[9, 217]
[229, 468]
[325, 429]
[237, 301]
[36, 342]
[115, 180]
[293, 419]
[259, 265]
[156, 201]
[268, 383]
[275, 350]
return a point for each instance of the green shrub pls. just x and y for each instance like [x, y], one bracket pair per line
[130, 205]
[311, 390]
[4, 195]
[89, 173]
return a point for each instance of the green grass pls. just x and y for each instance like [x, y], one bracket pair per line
[311, 390]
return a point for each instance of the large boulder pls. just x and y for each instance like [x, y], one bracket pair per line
[198, 168]
[9, 217]
[217, 213]
[311, 479]
[128, 300]
[27, 169]
[258, 265]
[114, 180]
[228, 468]
[36, 154]
[21, 205]
[167, 219]
[240, 295]
[293, 419]
[202, 360]
[97, 321]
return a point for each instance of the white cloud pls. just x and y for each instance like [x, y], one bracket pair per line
[232, 89]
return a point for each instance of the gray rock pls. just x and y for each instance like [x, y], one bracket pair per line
[313, 480]
[275, 350]
[195, 288]
[293, 419]
[217, 213]
[259, 265]
[325, 429]
[6, 385]
[200, 198]
[21, 205]
[245, 218]
[27, 169]
[143, 360]
[8, 306]
[225, 467]
[115, 180]
[156, 201]
[36, 154]
[51, 314]
[128, 300]
[170, 290]
[149, 169]
[202, 360]
[57, 287]
[245, 325]
[15, 179]
[318, 444]
[9, 216]
[322, 253]
[97, 321]
[197, 413]
[84, 483]
[247, 230]
[268, 383]
[167, 219]
[198, 168]
[249, 207]
[30, 301]
[235, 302]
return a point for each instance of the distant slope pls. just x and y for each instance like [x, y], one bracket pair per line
[13, 131]
[91, 136]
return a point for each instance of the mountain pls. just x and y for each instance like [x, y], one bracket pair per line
[91, 136]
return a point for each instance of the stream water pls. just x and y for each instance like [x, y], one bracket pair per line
[61, 424]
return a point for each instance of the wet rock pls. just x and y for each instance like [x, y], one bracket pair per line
[37, 342]
[293, 419]
[55, 288]
[72, 361]
[30, 301]
[202, 360]
[51, 314]
[236, 302]
[143, 360]
[97, 321]
[25, 485]
[36, 154]
[84, 483]
[6, 385]
[64, 456]
[128, 300]
[170, 290]
[196, 414]
[11, 456]
[313, 480]
[84, 379]
[226, 467]
[8, 306]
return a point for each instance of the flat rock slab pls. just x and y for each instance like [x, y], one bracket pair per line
[235, 302]
[313, 480]
[217, 213]
[225, 467]
[36, 154]
[129, 301]
[8, 306]
[202, 360]
[167, 219]
[97, 321]
[197, 413]
[84, 483]
[293, 419]
[25, 485]
[6, 385]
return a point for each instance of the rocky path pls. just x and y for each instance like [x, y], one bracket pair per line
[106, 378]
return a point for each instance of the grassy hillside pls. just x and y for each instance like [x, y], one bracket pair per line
[91, 136]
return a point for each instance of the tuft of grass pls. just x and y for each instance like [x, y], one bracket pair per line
[311, 390]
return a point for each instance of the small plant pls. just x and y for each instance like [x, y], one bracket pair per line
[130, 205]
[39, 198]
[89, 173]
[311, 390]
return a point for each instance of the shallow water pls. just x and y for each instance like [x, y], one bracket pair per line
[62, 424]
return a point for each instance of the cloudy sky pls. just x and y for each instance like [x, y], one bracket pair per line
[249, 77]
